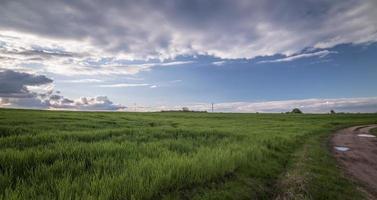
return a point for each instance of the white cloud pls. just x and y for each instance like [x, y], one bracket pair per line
[24, 90]
[175, 81]
[41, 89]
[368, 104]
[124, 85]
[319, 54]
[86, 103]
[219, 63]
[172, 63]
[27, 52]
[83, 81]
[93, 43]
[307, 105]
[98, 103]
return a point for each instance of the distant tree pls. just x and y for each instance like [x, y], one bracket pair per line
[185, 109]
[296, 111]
[332, 112]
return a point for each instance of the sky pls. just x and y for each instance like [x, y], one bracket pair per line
[241, 55]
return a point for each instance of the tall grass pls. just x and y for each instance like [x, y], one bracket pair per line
[76, 155]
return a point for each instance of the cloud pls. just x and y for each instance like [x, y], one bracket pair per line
[95, 37]
[24, 90]
[219, 63]
[99, 103]
[313, 105]
[307, 105]
[90, 80]
[15, 84]
[86, 103]
[124, 85]
[368, 104]
[175, 81]
[22, 51]
[33, 102]
[115, 67]
[319, 54]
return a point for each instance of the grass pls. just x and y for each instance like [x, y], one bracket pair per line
[99, 155]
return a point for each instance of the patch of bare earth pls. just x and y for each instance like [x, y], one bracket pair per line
[360, 159]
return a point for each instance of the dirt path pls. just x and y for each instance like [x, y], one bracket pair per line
[356, 151]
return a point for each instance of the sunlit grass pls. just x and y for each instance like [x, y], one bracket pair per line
[76, 155]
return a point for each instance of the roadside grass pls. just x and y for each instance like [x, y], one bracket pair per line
[314, 174]
[99, 155]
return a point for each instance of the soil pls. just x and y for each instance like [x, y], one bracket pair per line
[360, 160]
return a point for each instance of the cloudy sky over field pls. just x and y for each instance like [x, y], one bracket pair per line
[243, 55]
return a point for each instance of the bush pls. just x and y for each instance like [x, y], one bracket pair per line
[296, 111]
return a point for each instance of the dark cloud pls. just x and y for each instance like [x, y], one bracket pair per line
[14, 93]
[86, 103]
[55, 97]
[14, 84]
[229, 29]
[66, 101]
[39, 53]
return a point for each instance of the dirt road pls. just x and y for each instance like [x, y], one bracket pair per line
[356, 151]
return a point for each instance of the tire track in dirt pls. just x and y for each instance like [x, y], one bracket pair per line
[356, 151]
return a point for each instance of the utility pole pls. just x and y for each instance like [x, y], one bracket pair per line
[212, 107]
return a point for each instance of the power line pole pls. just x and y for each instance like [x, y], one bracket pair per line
[212, 106]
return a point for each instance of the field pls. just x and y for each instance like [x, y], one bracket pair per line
[102, 155]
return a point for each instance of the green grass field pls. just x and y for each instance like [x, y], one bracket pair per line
[99, 155]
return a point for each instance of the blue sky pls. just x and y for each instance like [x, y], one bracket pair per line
[349, 72]
[245, 56]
